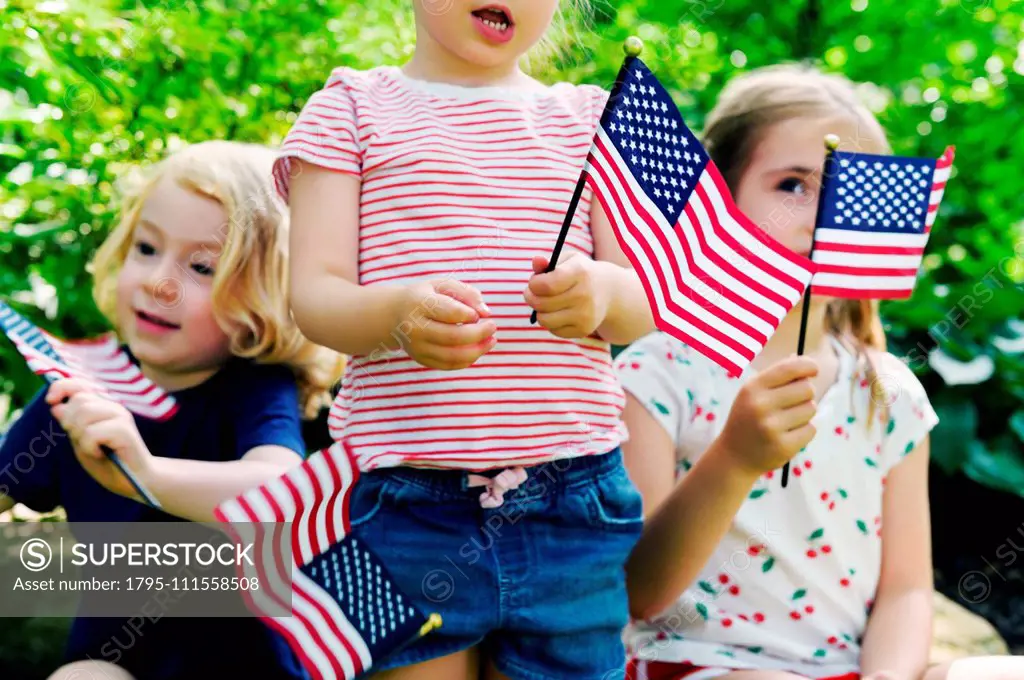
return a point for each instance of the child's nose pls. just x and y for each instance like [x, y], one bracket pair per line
[163, 281]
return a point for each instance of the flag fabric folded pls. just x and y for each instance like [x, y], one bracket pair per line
[875, 217]
[713, 278]
[101, 362]
[321, 588]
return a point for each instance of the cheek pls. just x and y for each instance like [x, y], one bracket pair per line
[533, 20]
[197, 313]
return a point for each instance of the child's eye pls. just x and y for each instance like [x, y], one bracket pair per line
[793, 185]
[202, 269]
[144, 248]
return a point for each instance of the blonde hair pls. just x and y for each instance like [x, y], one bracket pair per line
[752, 103]
[249, 296]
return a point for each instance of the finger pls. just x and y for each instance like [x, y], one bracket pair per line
[796, 440]
[443, 309]
[447, 335]
[795, 417]
[788, 370]
[62, 390]
[453, 358]
[554, 283]
[792, 393]
[564, 324]
[547, 305]
[464, 293]
[540, 264]
[90, 440]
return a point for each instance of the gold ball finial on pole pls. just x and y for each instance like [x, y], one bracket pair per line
[831, 142]
[633, 46]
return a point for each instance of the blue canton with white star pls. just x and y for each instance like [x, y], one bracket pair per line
[877, 193]
[354, 576]
[648, 131]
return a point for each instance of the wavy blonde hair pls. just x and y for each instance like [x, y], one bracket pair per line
[249, 296]
[752, 103]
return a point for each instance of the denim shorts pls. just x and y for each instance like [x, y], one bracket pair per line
[538, 583]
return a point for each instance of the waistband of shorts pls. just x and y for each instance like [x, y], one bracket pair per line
[548, 477]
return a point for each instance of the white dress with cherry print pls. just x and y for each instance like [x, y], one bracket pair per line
[791, 584]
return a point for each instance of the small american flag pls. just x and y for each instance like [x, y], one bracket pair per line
[321, 588]
[875, 217]
[714, 280]
[101, 362]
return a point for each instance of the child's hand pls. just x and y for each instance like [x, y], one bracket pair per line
[441, 324]
[770, 420]
[571, 301]
[93, 421]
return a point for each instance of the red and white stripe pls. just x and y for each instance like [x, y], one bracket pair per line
[714, 279]
[291, 520]
[100, 362]
[469, 188]
[876, 265]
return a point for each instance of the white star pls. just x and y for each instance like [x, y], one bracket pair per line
[674, 124]
[684, 141]
[676, 195]
[676, 154]
[671, 208]
[689, 171]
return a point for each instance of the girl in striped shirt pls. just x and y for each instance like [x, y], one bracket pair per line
[425, 200]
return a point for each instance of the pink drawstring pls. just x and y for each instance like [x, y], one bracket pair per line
[494, 495]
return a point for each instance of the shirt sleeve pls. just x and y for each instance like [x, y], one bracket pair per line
[325, 134]
[911, 416]
[29, 451]
[651, 371]
[267, 410]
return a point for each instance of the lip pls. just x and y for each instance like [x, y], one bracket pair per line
[490, 33]
[154, 323]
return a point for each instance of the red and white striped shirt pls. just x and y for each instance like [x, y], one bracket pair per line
[468, 183]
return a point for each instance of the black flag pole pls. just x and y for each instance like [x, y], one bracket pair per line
[831, 144]
[632, 47]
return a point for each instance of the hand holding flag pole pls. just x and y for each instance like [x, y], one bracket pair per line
[831, 144]
[102, 363]
[633, 46]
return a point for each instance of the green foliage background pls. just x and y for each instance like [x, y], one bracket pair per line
[90, 89]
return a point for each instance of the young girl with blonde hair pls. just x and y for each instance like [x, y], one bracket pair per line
[736, 577]
[194, 281]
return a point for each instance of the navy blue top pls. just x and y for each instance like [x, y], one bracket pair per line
[243, 406]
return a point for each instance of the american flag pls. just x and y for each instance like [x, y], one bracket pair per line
[714, 280]
[101, 362]
[875, 217]
[321, 588]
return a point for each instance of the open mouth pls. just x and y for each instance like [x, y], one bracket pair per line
[156, 320]
[495, 17]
